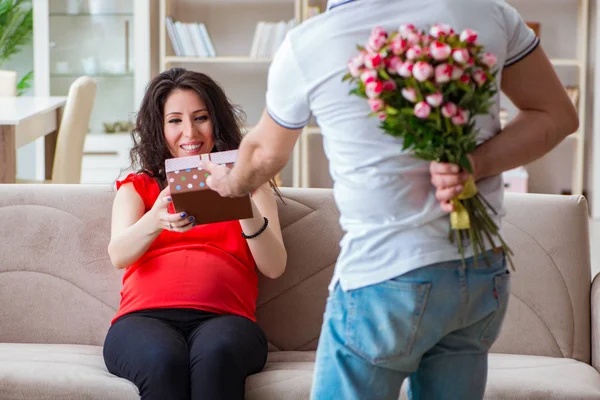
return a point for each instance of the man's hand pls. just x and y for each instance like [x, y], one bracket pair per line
[219, 179]
[448, 180]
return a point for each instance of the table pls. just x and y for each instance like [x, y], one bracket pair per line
[23, 120]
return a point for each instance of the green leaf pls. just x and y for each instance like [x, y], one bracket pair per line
[391, 110]
[409, 140]
[24, 83]
[16, 27]
[385, 75]
[430, 87]
[464, 162]
[408, 111]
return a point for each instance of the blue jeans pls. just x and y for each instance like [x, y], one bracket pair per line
[433, 325]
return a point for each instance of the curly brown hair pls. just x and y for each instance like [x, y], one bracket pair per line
[150, 149]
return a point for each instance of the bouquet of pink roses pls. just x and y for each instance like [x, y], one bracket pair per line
[427, 88]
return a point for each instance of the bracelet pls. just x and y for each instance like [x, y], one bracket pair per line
[261, 230]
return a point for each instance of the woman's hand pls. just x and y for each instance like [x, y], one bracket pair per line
[180, 222]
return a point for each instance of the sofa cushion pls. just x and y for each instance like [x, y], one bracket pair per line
[288, 375]
[42, 371]
[535, 377]
[61, 371]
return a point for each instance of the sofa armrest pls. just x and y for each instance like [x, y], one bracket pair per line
[595, 309]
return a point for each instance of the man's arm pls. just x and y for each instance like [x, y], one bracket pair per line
[264, 151]
[546, 116]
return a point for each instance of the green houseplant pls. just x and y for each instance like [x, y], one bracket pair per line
[16, 30]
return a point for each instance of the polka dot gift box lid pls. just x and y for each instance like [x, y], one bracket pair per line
[187, 183]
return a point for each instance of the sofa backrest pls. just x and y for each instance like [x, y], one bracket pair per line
[549, 307]
[57, 284]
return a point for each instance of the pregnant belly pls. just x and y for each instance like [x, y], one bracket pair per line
[191, 279]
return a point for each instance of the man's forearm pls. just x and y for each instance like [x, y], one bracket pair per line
[526, 138]
[253, 167]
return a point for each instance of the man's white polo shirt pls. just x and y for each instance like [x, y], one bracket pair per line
[391, 219]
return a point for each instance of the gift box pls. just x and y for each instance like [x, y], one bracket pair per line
[190, 194]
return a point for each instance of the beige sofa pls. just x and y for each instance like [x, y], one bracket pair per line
[58, 292]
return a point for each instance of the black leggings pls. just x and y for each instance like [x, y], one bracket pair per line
[185, 354]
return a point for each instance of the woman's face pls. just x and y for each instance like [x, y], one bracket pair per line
[187, 125]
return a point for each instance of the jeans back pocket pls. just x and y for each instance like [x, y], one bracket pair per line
[383, 319]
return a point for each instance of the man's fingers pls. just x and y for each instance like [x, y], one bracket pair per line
[444, 181]
[209, 182]
[208, 166]
[447, 194]
[447, 206]
[443, 168]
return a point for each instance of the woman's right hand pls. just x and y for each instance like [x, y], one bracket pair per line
[179, 222]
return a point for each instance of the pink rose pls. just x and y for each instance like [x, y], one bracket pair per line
[457, 72]
[355, 65]
[440, 30]
[440, 51]
[461, 117]
[413, 39]
[465, 79]
[461, 56]
[435, 99]
[377, 39]
[422, 71]
[449, 109]
[426, 41]
[368, 76]
[375, 44]
[443, 73]
[354, 70]
[405, 69]
[376, 104]
[422, 110]
[471, 62]
[406, 29]
[394, 63]
[373, 60]
[389, 86]
[489, 59]
[359, 59]
[378, 31]
[409, 94]
[468, 36]
[399, 45]
[381, 116]
[374, 89]
[414, 52]
[479, 77]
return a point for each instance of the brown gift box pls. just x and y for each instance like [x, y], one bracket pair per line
[187, 183]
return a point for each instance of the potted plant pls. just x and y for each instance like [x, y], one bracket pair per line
[16, 30]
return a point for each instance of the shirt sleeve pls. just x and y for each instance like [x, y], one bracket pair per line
[287, 99]
[521, 39]
[140, 184]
